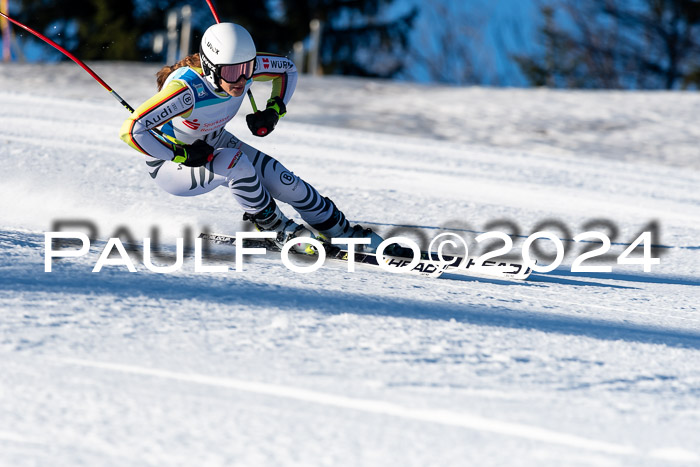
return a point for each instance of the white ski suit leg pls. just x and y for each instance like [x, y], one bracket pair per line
[229, 167]
[252, 176]
[287, 187]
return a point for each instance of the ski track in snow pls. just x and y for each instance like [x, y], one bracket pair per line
[269, 367]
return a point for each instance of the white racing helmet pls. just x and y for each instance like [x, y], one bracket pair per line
[227, 52]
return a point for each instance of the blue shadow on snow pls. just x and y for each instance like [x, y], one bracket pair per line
[235, 290]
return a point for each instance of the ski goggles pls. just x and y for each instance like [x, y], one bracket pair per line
[232, 73]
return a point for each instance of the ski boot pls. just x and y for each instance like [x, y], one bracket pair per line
[338, 227]
[271, 219]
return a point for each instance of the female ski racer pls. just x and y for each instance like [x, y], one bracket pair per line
[194, 153]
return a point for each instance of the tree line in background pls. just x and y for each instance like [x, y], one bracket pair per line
[624, 44]
[617, 44]
[359, 38]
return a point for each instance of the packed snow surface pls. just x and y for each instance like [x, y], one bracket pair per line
[265, 366]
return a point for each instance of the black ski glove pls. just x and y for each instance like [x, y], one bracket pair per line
[261, 123]
[193, 155]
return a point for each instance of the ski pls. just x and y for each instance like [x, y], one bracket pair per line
[396, 256]
[472, 265]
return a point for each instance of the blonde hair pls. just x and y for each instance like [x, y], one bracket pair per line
[191, 61]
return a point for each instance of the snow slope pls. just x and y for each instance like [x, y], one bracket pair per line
[269, 367]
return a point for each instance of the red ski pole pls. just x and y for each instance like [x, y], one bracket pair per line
[72, 57]
[213, 11]
[79, 62]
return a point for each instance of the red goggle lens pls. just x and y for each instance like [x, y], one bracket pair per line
[232, 73]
